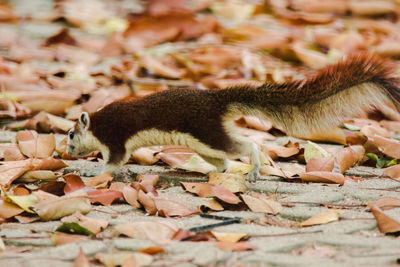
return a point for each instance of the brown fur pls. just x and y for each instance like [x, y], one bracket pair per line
[337, 91]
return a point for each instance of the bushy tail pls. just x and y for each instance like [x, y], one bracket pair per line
[355, 84]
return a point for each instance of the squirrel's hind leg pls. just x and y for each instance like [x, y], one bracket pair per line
[245, 146]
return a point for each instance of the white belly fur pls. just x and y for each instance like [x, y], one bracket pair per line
[154, 137]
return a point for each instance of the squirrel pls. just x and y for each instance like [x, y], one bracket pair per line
[202, 120]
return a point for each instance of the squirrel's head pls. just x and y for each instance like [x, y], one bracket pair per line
[79, 137]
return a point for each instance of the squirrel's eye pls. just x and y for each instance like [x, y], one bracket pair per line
[71, 134]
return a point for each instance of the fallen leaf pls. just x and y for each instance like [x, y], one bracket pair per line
[24, 202]
[228, 237]
[120, 258]
[211, 204]
[147, 200]
[157, 231]
[233, 182]
[260, 203]
[393, 171]
[59, 238]
[386, 224]
[349, 156]
[370, 130]
[82, 260]
[238, 167]
[10, 152]
[9, 210]
[173, 207]
[11, 170]
[277, 151]
[74, 228]
[73, 182]
[34, 146]
[101, 180]
[104, 196]
[387, 146]
[320, 164]
[322, 218]
[51, 164]
[385, 203]
[313, 150]
[146, 155]
[335, 135]
[147, 179]
[63, 206]
[239, 246]
[93, 225]
[152, 250]
[322, 177]
[39, 175]
[21, 190]
[131, 196]
[208, 190]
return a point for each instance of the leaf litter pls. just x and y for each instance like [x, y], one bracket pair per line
[106, 52]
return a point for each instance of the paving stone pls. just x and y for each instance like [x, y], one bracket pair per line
[44, 262]
[70, 251]
[132, 243]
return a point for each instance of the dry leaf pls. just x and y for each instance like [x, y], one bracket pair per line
[320, 164]
[63, 206]
[393, 171]
[40, 175]
[147, 200]
[60, 238]
[322, 177]
[10, 152]
[11, 170]
[8, 210]
[104, 196]
[208, 190]
[238, 167]
[233, 182]
[385, 203]
[147, 179]
[146, 155]
[173, 207]
[158, 231]
[93, 225]
[73, 183]
[387, 146]
[322, 218]
[386, 224]
[121, 258]
[131, 196]
[34, 146]
[239, 246]
[101, 180]
[277, 151]
[228, 237]
[152, 250]
[260, 203]
[313, 150]
[82, 260]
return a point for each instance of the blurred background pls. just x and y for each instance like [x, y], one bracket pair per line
[64, 57]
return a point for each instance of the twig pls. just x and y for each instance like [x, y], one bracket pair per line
[225, 221]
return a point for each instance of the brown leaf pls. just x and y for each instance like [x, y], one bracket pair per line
[101, 180]
[38, 175]
[11, 170]
[233, 182]
[147, 179]
[385, 203]
[348, 157]
[131, 196]
[147, 200]
[8, 210]
[10, 152]
[386, 224]
[208, 190]
[335, 135]
[51, 164]
[104, 196]
[260, 203]
[34, 146]
[60, 238]
[82, 260]
[211, 204]
[277, 151]
[94, 225]
[322, 177]
[322, 218]
[73, 182]
[228, 237]
[158, 231]
[370, 130]
[21, 190]
[63, 36]
[391, 125]
[124, 259]
[157, 67]
[152, 250]
[392, 171]
[320, 164]
[63, 206]
[387, 146]
[146, 155]
[173, 207]
[239, 246]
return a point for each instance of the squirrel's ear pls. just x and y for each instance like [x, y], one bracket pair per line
[84, 120]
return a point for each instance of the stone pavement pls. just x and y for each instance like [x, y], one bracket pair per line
[354, 240]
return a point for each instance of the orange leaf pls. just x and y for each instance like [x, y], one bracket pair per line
[82, 260]
[104, 196]
[60, 238]
[386, 224]
[320, 164]
[387, 146]
[261, 204]
[386, 203]
[102, 179]
[131, 196]
[173, 207]
[239, 246]
[73, 183]
[323, 177]
[147, 200]
[393, 171]
[207, 190]
[147, 179]
[322, 218]
[11, 170]
[152, 250]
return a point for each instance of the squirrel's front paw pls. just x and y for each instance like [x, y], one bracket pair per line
[253, 176]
